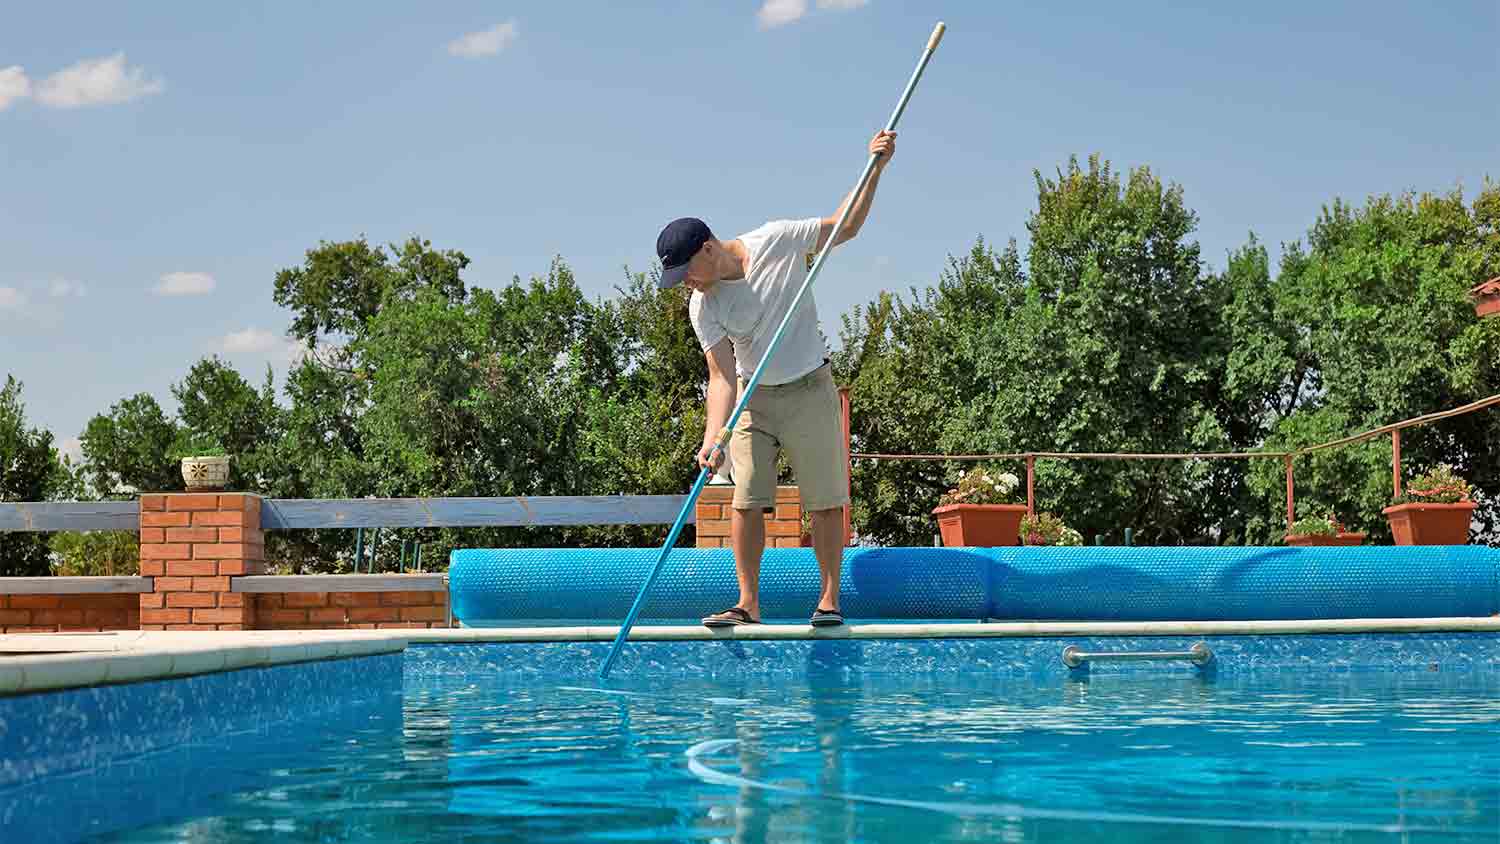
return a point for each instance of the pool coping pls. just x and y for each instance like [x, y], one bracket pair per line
[56, 661]
[965, 630]
[39, 662]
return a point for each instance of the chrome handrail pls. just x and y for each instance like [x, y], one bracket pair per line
[1198, 654]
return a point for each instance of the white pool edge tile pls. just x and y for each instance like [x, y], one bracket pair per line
[143, 656]
[967, 630]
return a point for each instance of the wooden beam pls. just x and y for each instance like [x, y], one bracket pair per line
[340, 583]
[538, 511]
[45, 516]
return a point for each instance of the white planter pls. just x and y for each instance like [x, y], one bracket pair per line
[205, 472]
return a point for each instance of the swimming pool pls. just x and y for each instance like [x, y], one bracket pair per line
[1348, 737]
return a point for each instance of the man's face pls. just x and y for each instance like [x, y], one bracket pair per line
[700, 273]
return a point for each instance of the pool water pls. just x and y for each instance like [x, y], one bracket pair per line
[1281, 756]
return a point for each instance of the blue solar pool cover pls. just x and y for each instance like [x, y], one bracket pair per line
[503, 586]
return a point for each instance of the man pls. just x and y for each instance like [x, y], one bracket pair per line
[742, 289]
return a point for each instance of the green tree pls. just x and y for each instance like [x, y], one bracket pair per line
[78, 553]
[318, 449]
[1374, 325]
[1109, 339]
[341, 286]
[113, 553]
[216, 403]
[130, 449]
[217, 407]
[641, 403]
[29, 471]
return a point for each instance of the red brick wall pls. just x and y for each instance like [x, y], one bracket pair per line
[193, 544]
[60, 613]
[783, 527]
[338, 610]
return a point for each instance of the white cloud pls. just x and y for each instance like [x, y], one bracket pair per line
[62, 288]
[184, 284]
[250, 341]
[13, 85]
[11, 299]
[774, 13]
[485, 42]
[105, 81]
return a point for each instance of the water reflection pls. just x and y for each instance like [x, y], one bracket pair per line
[846, 757]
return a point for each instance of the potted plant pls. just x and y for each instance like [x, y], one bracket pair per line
[1487, 298]
[976, 513]
[208, 467]
[1321, 530]
[806, 538]
[1434, 510]
[1047, 529]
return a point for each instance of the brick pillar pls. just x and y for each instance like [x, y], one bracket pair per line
[783, 525]
[194, 545]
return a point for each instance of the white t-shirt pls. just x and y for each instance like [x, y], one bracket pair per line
[748, 310]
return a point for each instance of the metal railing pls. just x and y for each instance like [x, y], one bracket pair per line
[1287, 457]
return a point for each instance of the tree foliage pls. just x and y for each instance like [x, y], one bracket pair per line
[1373, 325]
[1108, 334]
[29, 471]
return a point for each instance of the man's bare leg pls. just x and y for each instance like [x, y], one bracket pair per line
[828, 544]
[747, 531]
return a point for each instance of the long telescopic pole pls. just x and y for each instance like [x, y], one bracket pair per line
[723, 439]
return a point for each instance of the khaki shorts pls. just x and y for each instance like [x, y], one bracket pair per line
[803, 417]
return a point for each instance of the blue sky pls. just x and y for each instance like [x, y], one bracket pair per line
[160, 162]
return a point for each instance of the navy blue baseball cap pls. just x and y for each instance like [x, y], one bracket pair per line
[676, 245]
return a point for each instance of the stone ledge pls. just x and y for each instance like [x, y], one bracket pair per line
[134, 656]
[272, 583]
[963, 630]
[73, 585]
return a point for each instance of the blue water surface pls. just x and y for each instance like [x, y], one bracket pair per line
[506, 756]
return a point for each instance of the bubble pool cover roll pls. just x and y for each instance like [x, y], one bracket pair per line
[505, 586]
[502, 586]
[1235, 583]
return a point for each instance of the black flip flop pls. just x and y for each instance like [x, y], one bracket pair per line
[827, 618]
[732, 617]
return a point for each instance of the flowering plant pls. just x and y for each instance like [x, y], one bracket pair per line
[1047, 529]
[979, 486]
[1440, 486]
[1316, 526]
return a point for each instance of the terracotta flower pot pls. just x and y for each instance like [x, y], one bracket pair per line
[980, 525]
[1325, 539]
[1487, 298]
[806, 540]
[1430, 524]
